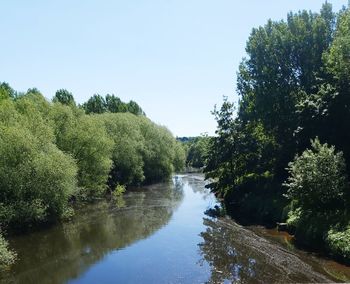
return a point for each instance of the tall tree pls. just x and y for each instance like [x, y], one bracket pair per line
[96, 104]
[64, 97]
[114, 104]
[284, 61]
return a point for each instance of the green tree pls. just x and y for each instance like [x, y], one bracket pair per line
[96, 104]
[179, 157]
[134, 108]
[159, 151]
[6, 91]
[221, 159]
[114, 104]
[124, 130]
[336, 99]
[284, 60]
[36, 178]
[197, 152]
[64, 97]
[85, 138]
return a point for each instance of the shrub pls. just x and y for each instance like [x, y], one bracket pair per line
[338, 242]
[7, 256]
[318, 179]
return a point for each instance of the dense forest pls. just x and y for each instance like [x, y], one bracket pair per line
[282, 154]
[55, 154]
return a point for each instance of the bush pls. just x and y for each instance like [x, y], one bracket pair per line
[338, 242]
[7, 256]
[318, 179]
[318, 190]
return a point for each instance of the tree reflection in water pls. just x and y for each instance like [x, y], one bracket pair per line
[237, 255]
[65, 251]
[226, 262]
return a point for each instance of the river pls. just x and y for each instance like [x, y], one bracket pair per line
[161, 234]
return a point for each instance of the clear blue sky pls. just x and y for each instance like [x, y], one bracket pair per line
[176, 58]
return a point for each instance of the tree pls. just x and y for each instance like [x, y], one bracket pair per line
[128, 144]
[179, 157]
[134, 108]
[337, 97]
[221, 163]
[284, 61]
[198, 151]
[85, 138]
[114, 104]
[96, 104]
[36, 178]
[158, 152]
[6, 91]
[64, 97]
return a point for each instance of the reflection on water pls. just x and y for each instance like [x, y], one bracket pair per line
[160, 234]
[65, 251]
[236, 254]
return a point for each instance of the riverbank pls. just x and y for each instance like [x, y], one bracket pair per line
[337, 270]
[268, 211]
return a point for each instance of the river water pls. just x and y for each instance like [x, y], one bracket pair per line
[161, 234]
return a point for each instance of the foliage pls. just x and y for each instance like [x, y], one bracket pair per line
[7, 256]
[284, 60]
[338, 242]
[96, 104]
[119, 190]
[179, 158]
[223, 149]
[111, 103]
[128, 143]
[36, 178]
[6, 91]
[85, 139]
[294, 217]
[198, 151]
[317, 179]
[134, 108]
[160, 152]
[64, 97]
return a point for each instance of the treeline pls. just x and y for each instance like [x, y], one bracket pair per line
[284, 153]
[54, 153]
[98, 103]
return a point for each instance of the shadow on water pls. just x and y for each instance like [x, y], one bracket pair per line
[65, 251]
